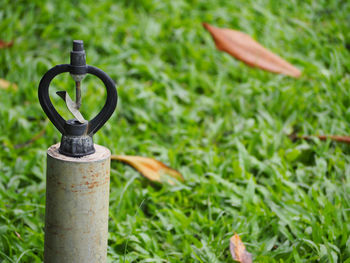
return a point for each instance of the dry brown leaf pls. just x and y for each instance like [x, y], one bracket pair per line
[246, 49]
[337, 138]
[34, 138]
[18, 235]
[238, 250]
[149, 168]
[4, 84]
[4, 44]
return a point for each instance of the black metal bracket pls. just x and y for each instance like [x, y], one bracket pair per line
[77, 137]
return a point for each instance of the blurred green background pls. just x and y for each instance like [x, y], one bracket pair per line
[223, 125]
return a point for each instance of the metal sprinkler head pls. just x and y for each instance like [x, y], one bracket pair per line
[77, 133]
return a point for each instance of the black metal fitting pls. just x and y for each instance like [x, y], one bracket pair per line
[76, 136]
[77, 58]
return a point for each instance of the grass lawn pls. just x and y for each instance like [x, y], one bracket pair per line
[223, 125]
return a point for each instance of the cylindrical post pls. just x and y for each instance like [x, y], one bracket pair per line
[77, 198]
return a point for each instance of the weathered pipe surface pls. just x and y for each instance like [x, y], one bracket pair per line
[77, 197]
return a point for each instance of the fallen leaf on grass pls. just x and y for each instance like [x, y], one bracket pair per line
[4, 84]
[246, 49]
[18, 235]
[4, 44]
[33, 139]
[149, 168]
[337, 138]
[238, 250]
